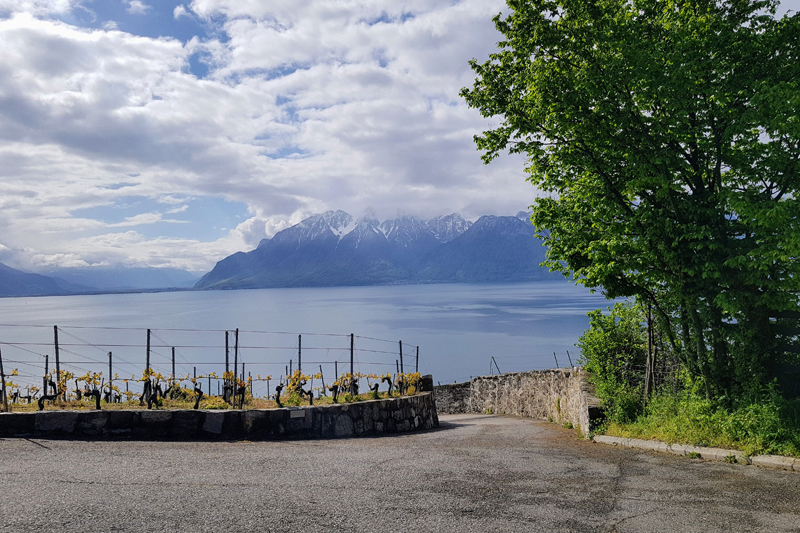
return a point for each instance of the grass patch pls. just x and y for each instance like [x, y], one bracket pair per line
[767, 427]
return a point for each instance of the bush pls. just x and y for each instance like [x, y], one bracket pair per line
[613, 350]
[293, 399]
[213, 402]
[771, 426]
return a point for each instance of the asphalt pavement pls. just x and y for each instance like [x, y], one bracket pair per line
[477, 473]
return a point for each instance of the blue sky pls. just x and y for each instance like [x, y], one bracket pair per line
[174, 133]
[147, 18]
[206, 218]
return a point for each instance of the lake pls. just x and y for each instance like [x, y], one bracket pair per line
[458, 328]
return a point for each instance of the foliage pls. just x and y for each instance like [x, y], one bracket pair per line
[664, 136]
[293, 399]
[770, 426]
[213, 402]
[350, 398]
[613, 350]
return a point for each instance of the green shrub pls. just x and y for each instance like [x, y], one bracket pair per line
[771, 426]
[613, 350]
[293, 399]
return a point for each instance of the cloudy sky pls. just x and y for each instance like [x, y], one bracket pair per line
[176, 132]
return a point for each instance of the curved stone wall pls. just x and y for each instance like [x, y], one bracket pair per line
[394, 415]
[562, 395]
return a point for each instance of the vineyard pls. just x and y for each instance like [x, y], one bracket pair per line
[73, 377]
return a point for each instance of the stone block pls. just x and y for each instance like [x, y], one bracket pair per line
[308, 420]
[232, 427]
[153, 423]
[120, 420]
[774, 461]
[187, 424]
[17, 423]
[327, 424]
[256, 424]
[56, 421]
[155, 417]
[343, 426]
[294, 426]
[213, 422]
[92, 422]
[356, 410]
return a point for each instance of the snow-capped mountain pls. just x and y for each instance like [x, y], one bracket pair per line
[324, 226]
[448, 227]
[334, 249]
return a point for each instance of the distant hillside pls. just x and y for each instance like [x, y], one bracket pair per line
[333, 249]
[58, 282]
[125, 279]
[17, 283]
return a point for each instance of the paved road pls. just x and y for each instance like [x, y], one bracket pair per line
[477, 473]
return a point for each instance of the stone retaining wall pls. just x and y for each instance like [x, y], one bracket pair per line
[562, 395]
[395, 415]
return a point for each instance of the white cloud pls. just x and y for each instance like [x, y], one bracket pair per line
[138, 220]
[171, 200]
[180, 11]
[308, 105]
[137, 7]
[38, 7]
[110, 25]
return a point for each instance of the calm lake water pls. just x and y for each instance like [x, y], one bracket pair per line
[458, 328]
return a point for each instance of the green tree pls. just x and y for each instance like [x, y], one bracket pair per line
[665, 141]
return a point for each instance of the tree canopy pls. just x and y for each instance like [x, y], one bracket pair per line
[664, 138]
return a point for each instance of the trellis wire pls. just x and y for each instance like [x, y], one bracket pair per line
[341, 354]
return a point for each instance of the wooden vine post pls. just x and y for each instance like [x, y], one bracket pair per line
[147, 360]
[401, 358]
[352, 370]
[58, 362]
[46, 370]
[3, 384]
[235, 364]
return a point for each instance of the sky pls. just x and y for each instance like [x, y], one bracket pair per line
[171, 133]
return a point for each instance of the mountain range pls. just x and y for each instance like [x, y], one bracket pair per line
[91, 280]
[18, 283]
[333, 248]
